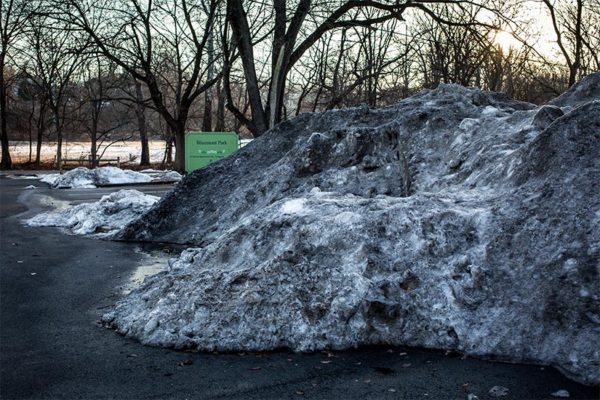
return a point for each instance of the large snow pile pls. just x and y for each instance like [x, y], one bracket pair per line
[456, 219]
[90, 178]
[102, 218]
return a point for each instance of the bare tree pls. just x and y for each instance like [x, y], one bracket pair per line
[102, 115]
[161, 43]
[13, 16]
[293, 32]
[57, 53]
[574, 23]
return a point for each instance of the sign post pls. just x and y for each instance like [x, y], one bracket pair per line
[202, 148]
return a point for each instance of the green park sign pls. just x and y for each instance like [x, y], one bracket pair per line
[202, 148]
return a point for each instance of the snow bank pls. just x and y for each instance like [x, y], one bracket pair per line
[456, 219]
[102, 218]
[90, 178]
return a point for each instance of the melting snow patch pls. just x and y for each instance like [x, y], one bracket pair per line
[102, 218]
[84, 178]
[21, 176]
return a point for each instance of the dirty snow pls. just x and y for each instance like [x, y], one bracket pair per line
[456, 219]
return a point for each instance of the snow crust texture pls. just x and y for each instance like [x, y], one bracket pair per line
[84, 178]
[102, 218]
[456, 219]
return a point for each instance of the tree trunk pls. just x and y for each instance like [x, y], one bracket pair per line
[179, 164]
[141, 117]
[283, 45]
[220, 124]
[574, 69]
[59, 138]
[208, 95]
[41, 126]
[94, 150]
[169, 147]
[6, 162]
[30, 130]
[241, 33]
[94, 137]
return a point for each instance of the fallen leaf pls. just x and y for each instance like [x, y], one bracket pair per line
[325, 362]
[190, 350]
[299, 392]
[392, 390]
[255, 368]
[406, 365]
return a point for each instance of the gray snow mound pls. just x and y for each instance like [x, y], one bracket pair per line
[586, 90]
[457, 219]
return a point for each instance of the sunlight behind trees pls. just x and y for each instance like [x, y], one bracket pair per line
[166, 67]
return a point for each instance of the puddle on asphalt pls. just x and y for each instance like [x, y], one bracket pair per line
[49, 201]
[37, 203]
[152, 262]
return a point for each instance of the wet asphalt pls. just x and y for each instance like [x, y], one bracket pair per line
[54, 288]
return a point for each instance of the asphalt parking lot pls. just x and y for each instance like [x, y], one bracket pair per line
[54, 287]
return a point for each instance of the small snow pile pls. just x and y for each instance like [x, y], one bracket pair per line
[456, 219]
[160, 175]
[79, 178]
[114, 175]
[84, 178]
[102, 218]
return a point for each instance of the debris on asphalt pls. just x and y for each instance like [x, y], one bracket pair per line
[498, 391]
